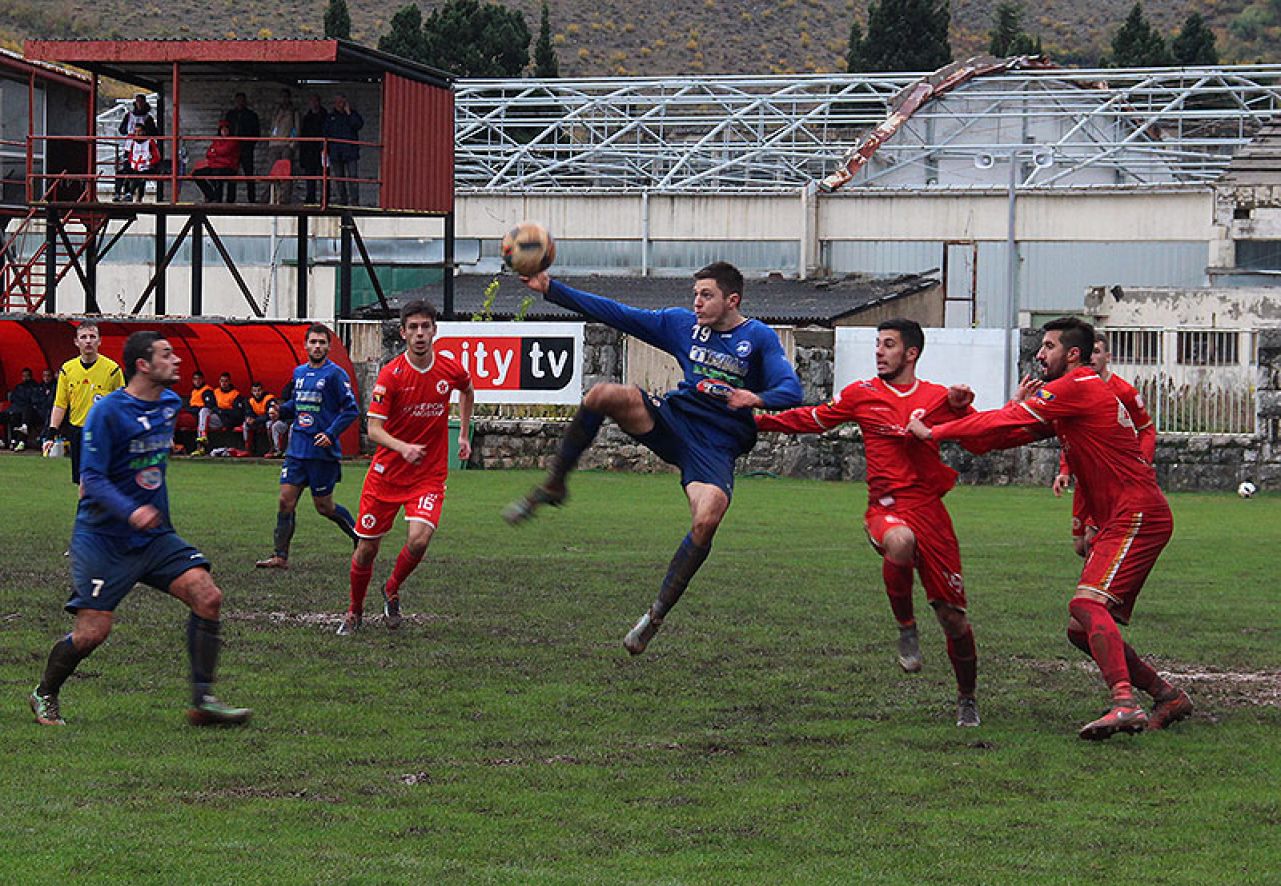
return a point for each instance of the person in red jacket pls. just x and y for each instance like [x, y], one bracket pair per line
[221, 160]
[1121, 493]
[143, 160]
[906, 520]
[1084, 526]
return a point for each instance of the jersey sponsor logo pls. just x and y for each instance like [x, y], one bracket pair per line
[426, 410]
[306, 419]
[726, 363]
[1045, 395]
[716, 389]
[150, 478]
[380, 391]
[442, 387]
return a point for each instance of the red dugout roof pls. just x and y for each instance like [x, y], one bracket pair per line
[265, 352]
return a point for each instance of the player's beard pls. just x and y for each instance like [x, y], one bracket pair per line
[893, 371]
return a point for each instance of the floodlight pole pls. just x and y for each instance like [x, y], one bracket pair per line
[1012, 275]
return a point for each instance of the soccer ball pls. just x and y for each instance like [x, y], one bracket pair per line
[528, 249]
[1247, 489]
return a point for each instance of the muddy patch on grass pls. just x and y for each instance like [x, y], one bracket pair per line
[1208, 686]
[324, 619]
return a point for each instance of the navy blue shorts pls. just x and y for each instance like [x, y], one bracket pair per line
[102, 573]
[679, 441]
[321, 475]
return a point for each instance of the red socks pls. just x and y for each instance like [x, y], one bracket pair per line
[405, 564]
[965, 661]
[360, 576]
[1104, 638]
[898, 587]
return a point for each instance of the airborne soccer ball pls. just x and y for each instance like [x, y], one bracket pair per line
[528, 249]
[1247, 489]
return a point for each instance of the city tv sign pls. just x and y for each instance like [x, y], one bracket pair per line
[518, 362]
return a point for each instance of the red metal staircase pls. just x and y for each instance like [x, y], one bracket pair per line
[23, 281]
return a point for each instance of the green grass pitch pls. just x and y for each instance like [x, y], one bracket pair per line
[504, 736]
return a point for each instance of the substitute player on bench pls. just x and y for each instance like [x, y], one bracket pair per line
[409, 420]
[906, 520]
[1121, 494]
[123, 535]
[731, 364]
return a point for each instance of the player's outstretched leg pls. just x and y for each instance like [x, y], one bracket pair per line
[362, 570]
[1108, 651]
[689, 557]
[283, 535]
[342, 518]
[1169, 703]
[582, 431]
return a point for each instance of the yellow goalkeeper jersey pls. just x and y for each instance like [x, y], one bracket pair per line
[79, 387]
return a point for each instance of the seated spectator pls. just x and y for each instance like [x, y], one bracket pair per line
[22, 418]
[139, 115]
[221, 160]
[224, 410]
[257, 416]
[144, 160]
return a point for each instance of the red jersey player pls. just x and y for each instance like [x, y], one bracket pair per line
[1084, 526]
[906, 481]
[409, 420]
[1120, 492]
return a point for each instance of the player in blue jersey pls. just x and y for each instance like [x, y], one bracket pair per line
[320, 402]
[123, 536]
[732, 365]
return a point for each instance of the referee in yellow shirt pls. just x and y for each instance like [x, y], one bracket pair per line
[82, 381]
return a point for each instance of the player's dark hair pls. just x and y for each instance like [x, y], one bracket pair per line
[909, 330]
[320, 329]
[87, 324]
[1074, 333]
[418, 307]
[725, 275]
[139, 346]
[1103, 338]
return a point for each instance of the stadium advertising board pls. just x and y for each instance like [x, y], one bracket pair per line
[974, 357]
[518, 362]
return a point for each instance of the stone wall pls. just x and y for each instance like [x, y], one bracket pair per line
[1183, 462]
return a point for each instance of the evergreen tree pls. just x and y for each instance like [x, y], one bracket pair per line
[1137, 44]
[1008, 27]
[404, 36]
[546, 66]
[469, 38]
[337, 20]
[907, 35]
[856, 55]
[1195, 43]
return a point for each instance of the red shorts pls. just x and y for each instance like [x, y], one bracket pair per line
[1081, 519]
[938, 555]
[379, 506]
[1123, 553]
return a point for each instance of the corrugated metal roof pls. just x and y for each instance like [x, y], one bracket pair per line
[773, 300]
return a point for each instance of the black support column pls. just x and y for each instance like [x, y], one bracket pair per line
[161, 270]
[198, 266]
[344, 268]
[300, 310]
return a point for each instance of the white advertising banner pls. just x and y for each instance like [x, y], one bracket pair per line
[518, 362]
[974, 357]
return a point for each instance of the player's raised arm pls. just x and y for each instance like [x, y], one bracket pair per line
[814, 419]
[649, 326]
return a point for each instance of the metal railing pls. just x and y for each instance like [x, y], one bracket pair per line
[1195, 381]
[110, 167]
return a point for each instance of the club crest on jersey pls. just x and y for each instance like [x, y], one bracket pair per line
[320, 383]
[918, 412]
[442, 387]
[168, 413]
[743, 348]
[150, 478]
[368, 521]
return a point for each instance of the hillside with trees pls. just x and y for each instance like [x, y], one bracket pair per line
[654, 37]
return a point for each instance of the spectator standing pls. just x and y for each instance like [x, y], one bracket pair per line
[244, 124]
[310, 153]
[139, 114]
[144, 160]
[284, 129]
[342, 129]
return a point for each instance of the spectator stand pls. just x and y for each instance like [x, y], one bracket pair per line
[406, 164]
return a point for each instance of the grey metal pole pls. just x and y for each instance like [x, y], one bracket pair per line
[1012, 279]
